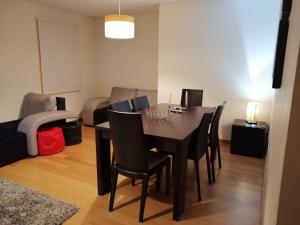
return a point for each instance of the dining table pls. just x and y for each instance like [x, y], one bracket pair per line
[171, 134]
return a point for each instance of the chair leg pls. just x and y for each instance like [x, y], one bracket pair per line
[133, 181]
[168, 178]
[219, 156]
[158, 179]
[213, 171]
[143, 198]
[173, 165]
[114, 179]
[208, 167]
[113, 160]
[212, 161]
[196, 162]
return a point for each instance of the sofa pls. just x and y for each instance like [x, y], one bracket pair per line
[41, 111]
[95, 109]
[13, 142]
[13, 145]
[30, 125]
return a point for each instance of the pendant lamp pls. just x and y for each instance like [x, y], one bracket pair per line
[119, 26]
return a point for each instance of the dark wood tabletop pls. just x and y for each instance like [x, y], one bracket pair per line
[177, 127]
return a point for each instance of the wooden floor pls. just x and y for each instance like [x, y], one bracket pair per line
[235, 198]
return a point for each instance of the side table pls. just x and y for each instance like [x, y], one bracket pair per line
[72, 133]
[248, 139]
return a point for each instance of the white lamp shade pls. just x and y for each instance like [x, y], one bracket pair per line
[252, 111]
[119, 26]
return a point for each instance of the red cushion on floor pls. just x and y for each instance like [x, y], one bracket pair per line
[50, 141]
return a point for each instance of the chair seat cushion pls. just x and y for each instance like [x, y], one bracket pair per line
[156, 158]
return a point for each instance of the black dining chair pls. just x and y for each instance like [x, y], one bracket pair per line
[191, 97]
[198, 147]
[123, 106]
[213, 140]
[131, 156]
[139, 103]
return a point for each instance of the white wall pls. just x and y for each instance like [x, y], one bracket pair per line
[288, 209]
[283, 156]
[128, 63]
[104, 63]
[19, 57]
[225, 48]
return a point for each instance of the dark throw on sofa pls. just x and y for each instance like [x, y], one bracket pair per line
[13, 145]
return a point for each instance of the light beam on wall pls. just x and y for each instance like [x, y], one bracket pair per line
[258, 64]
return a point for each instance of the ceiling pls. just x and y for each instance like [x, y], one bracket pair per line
[98, 8]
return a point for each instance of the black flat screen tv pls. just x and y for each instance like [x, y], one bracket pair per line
[281, 43]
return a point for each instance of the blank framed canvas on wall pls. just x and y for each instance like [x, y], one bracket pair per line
[59, 56]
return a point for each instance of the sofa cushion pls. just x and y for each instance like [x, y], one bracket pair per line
[8, 128]
[119, 94]
[35, 103]
[151, 94]
[7, 132]
[12, 148]
[11, 136]
[12, 143]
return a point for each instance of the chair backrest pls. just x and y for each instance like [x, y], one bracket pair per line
[122, 106]
[201, 135]
[151, 95]
[214, 128]
[139, 103]
[127, 135]
[194, 97]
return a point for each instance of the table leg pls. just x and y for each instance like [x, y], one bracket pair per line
[180, 179]
[103, 162]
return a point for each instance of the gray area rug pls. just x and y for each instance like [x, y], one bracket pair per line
[24, 206]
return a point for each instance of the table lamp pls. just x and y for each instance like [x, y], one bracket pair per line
[252, 112]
